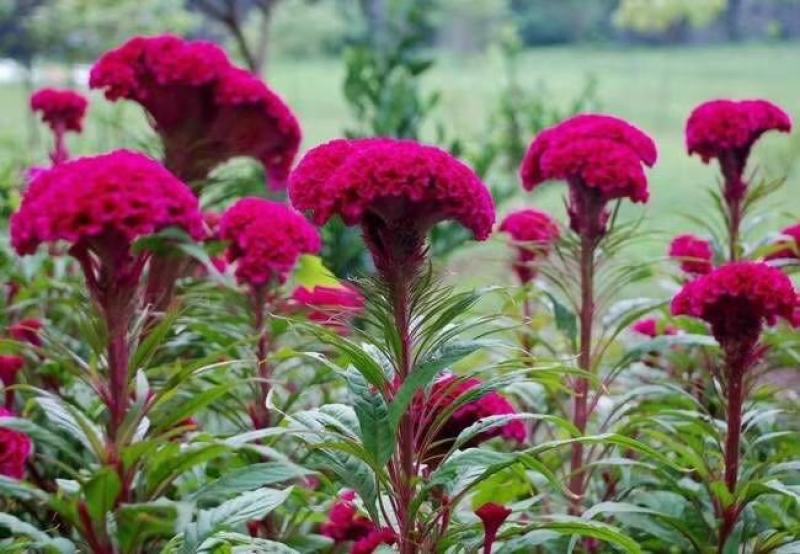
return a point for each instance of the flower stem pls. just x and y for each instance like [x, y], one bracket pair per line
[577, 483]
[118, 354]
[261, 419]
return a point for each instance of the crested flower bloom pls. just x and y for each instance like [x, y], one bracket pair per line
[449, 390]
[345, 524]
[601, 158]
[492, 516]
[266, 240]
[333, 307]
[726, 130]
[787, 247]
[9, 367]
[533, 234]
[15, 449]
[63, 111]
[205, 109]
[395, 189]
[694, 254]
[27, 330]
[737, 299]
[653, 328]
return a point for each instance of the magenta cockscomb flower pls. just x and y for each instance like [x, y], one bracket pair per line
[788, 246]
[346, 525]
[10, 366]
[601, 158]
[333, 307]
[266, 240]
[653, 328]
[63, 111]
[737, 300]
[395, 189]
[15, 449]
[695, 255]
[205, 109]
[492, 517]
[104, 203]
[27, 330]
[533, 234]
[374, 539]
[726, 130]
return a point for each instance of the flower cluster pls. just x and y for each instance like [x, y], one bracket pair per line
[653, 328]
[334, 307]
[15, 449]
[533, 233]
[737, 299]
[266, 240]
[788, 247]
[62, 110]
[205, 109]
[449, 390]
[720, 127]
[111, 199]
[601, 157]
[399, 182]
[694, 254]
[346, 525]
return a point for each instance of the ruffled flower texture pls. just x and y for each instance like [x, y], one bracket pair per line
[448, 390]
[205, 109]
[653, 328]
[492, 516]
[15, 449]
[62, 110]
[788, 247]
[395, 189]
[105, 203]
[333, 307]
[600, 156]
[346, 525]
[266, 239]
[695, 255]
[533, 234]
[737, 299]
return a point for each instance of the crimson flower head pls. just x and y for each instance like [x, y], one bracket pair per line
[103, 203]
[62, 110]
[726, 130]
[15, 449]
[333, 307]
[788, 247]
[266, 240]
[443, 394]
[601, 157]
[533, 234]
[653, 328]
[694, 254]
[205, 109]
[9, 367]
[395, 189]
[492, 516]
[737, 299]
[27, 330]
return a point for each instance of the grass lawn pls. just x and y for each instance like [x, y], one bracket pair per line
[654, 88]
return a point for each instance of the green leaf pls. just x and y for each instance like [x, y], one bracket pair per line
[248, 478]
[424, 374]
[311, 272]
[377, 435]
[571, 526]
[40, 539]
[172, 462]
[101, 492]
[566, 320]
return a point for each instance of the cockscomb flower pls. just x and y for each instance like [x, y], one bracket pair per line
[15, 449]
[601, 158]
[395, 189]
[266, 239]
[533, 234]
[694, 254]
[727, 129]
[334, 307]
[103, 203]
[787, 247]
[63, 111]
[9, 367]
[737, 299]
[27, 330]
[653, 328]
[205, 109]
[344, 522]
[448, 390]
[373, 540]
[492, 516]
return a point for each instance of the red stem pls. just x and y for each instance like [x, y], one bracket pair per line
[60, 154]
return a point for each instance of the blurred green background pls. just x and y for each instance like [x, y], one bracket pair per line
[475, 76]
